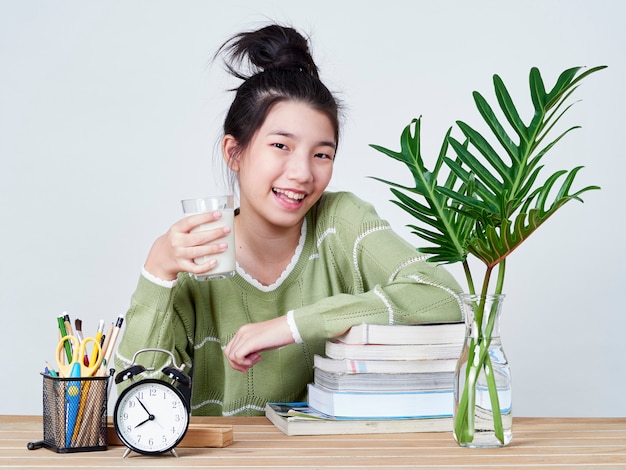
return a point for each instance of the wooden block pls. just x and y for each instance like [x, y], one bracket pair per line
[198, 435]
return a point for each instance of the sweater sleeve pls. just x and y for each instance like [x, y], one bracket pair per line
[387, 280]
[151, 322]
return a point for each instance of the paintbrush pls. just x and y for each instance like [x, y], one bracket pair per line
[78, 324]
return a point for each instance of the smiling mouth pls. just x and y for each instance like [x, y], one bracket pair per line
[288, 195]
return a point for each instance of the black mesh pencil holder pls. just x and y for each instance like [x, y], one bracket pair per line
[75, 413]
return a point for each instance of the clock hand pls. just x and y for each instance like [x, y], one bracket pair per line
[150, 415]
[150, 418]
[143, 406]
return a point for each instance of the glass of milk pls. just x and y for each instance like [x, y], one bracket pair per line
[225, 204]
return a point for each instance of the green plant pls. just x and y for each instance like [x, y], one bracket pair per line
[492, 198]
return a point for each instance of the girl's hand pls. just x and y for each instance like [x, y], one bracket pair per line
[242, 352]
[174, 251]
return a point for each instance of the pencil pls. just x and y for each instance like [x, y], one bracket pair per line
[111, 345]
[105, 343]
[85, 384]
[59, 401]
[50, 370]
[68, 324]
[94, 356]
[91, 420]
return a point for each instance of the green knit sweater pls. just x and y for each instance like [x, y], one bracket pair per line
[350, 268]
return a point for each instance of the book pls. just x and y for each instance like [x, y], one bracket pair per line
[376, 404]
[391, 366]
[338, 350]
[298, 419]
[424, 333]
[384, 381]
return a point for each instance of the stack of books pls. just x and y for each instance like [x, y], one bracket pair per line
[379, 378]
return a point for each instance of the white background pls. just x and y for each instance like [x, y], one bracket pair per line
[110, 112]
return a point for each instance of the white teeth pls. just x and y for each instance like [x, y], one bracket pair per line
[290, 194]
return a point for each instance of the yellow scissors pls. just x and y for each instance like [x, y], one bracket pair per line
[77, 366]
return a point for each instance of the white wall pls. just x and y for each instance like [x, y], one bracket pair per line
[110, 111]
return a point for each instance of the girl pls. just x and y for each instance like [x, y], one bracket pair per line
[310, 263]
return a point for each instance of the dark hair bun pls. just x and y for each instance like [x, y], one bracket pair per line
[271, 47]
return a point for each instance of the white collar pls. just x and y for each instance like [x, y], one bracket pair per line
[285, 273]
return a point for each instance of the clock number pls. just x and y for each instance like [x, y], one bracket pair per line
[164, 433]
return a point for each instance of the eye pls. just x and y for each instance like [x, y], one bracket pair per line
[280, 146]
[324, 156]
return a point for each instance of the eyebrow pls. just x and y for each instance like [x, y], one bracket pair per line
[322, 143]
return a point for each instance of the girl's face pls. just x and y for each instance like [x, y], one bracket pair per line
[287, 165]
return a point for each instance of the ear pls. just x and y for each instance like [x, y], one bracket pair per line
[230, 152]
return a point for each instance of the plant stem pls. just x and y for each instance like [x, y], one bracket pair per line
[478, 359]
[468, 277]
[500, 280]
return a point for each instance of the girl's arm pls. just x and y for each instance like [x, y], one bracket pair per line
[387, 281]
[150, 322]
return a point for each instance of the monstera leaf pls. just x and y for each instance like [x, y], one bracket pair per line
[493, 197]
[448, 229]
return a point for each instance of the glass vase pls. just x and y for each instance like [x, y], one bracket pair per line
[482, 382]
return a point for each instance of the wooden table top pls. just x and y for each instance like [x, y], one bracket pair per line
[538, 443]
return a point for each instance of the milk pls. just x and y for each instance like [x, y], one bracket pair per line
[225, 261]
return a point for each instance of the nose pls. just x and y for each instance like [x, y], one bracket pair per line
[299, 167]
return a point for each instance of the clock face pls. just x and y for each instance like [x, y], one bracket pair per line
[151, 417]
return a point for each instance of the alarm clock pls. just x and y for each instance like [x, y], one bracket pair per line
[151, 416]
